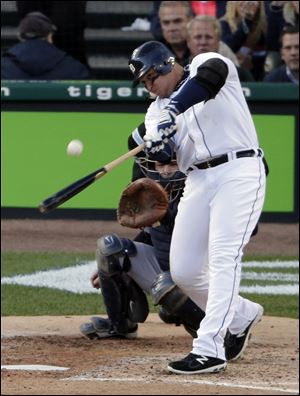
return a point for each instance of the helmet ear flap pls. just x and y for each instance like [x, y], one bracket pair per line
[166, 66]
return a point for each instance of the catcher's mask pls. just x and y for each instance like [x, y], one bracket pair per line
[150, 55]
[167, 175]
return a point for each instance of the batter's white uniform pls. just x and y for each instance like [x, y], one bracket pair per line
[219, 208]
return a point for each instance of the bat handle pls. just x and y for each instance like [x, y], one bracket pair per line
[118, 161]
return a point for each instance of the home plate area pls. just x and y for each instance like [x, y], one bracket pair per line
[269, 367]
[148, 375]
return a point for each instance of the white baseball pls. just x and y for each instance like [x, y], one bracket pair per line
[75, 147]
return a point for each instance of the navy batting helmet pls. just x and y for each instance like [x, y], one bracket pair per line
[151, 55]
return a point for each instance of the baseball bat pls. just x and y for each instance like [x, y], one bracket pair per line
[73, 189]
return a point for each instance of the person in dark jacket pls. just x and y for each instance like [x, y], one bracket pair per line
[289, 71]
[70, 19]
[174, 17]
[36, 58]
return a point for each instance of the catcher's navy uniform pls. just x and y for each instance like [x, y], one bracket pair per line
[129, 269]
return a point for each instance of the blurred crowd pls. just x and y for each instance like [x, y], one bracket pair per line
[260, 37]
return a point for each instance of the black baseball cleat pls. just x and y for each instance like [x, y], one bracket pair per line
[197, 364]
[101, 328]
[235, 344]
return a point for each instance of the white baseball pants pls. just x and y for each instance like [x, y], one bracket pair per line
[216, 216]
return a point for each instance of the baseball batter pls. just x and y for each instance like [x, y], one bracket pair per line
[202, 114]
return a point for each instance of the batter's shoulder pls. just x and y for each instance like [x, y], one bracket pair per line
[209, 57]
[202, 58]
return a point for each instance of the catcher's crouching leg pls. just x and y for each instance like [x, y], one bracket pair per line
[125, 302]
[176, 307]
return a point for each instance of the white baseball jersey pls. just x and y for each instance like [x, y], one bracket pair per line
[219, 208]
[207, 130]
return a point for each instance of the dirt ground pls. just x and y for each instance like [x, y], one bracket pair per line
[137, 367]
[75, 235]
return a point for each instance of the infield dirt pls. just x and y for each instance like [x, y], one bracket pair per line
[137, 367]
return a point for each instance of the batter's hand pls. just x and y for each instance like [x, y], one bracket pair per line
[154, 142]
[167, 126]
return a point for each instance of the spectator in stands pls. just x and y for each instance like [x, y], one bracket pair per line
[291, 13]
[215, 8]
[204, 35]
[36, 58]
[279, 14]
[244, 30]
[70, 19]
[275, 23]
[174, 16]
[289, 72]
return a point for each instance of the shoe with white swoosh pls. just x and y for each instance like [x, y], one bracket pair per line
[197, 364]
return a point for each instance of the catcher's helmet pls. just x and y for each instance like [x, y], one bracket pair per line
[173, 183]
[150, 55]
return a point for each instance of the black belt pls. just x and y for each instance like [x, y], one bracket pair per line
[224, 158]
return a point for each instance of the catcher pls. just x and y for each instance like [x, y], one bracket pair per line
[129, 269]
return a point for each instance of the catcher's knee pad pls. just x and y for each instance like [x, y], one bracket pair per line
[113, 254]
[176, 303]
[162, 285]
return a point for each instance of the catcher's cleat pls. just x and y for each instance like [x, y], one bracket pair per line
[235, 344]
[101, 328]
[88, 330]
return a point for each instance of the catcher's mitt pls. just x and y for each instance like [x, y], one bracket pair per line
[143, 203]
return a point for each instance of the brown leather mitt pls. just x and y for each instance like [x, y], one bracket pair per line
[143, 203]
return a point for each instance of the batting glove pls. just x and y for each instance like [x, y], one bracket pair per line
[167, 126]
[154, 142]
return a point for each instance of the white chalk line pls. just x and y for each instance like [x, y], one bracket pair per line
[33, 367]
[187, 381]
[287, 289]
[76, 279]
[271, 264]
[270, 276]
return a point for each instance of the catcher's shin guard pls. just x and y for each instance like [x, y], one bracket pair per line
[125, 302]
[115, 297]
[176, 303]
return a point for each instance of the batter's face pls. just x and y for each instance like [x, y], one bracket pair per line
[173, 21]
[202, 38]
[290, 51]
[159, 85]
